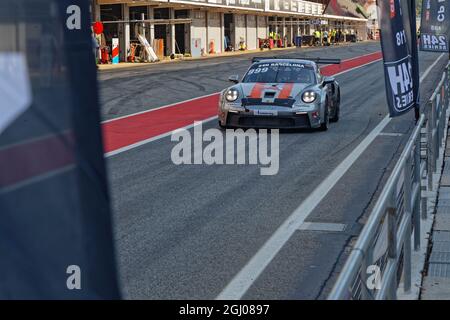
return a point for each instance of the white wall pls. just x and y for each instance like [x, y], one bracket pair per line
[252, 41]
[239, 23]
[262, 27]
[295, 28]
[289, 31]
[362, 31]
[198, 27]
[124, 34]
[214, 31]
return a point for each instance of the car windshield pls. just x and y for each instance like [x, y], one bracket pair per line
[281, 72]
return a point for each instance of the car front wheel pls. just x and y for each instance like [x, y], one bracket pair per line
[326, 118]
[337, 108]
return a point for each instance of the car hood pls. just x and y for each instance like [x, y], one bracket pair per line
[272, 90]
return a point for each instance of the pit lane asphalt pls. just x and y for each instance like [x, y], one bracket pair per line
[183, 232]
[134, 89]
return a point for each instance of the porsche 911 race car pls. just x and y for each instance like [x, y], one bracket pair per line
[281, 93]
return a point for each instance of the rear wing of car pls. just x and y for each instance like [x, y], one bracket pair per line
[316, 60]
[323, 60]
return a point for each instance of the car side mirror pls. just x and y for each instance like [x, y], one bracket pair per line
[234, 78]
[327, 80]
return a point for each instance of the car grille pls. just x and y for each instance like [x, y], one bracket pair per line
[252, 121]
[266, 121]
[277, 102]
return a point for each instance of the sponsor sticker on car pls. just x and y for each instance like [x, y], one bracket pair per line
[265, 112]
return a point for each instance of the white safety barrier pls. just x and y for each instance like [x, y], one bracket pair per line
[381, 256]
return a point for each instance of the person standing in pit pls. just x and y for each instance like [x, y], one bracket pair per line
[325, 38]
[333, 36]
[316, 37]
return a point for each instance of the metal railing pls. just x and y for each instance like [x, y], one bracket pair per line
[381, 255]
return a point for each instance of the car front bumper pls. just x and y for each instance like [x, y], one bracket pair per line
[285, 120]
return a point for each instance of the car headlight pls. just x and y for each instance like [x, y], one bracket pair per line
[232, 95]
[309, 96]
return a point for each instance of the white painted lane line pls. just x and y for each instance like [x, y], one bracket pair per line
[36, 179]
[425, 74]
[239, 285]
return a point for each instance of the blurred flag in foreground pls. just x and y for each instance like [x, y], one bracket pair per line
[56, 237]
[398, 43]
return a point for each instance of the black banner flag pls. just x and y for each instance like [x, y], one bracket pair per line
[56, 239]
[434, 27]
[399, 55]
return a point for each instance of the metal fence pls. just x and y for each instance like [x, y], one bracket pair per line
[381, 256]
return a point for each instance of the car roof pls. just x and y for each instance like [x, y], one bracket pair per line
[302, 61]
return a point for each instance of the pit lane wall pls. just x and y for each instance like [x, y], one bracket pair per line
[199, 27]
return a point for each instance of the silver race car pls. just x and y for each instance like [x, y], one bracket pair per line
[281, 93]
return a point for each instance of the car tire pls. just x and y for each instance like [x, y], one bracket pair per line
[325, 124]
[337, 108]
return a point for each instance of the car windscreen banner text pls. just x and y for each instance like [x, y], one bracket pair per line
[401, 86]
[435, 25]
